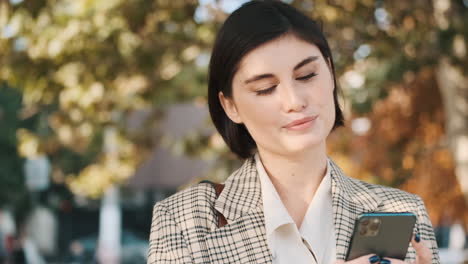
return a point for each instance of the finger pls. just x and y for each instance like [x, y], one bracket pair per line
[419, 244]
[423, 253]
[366, 259]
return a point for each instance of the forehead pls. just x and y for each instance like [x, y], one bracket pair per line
[281, 53]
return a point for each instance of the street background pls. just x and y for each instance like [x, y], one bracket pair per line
[103, 112]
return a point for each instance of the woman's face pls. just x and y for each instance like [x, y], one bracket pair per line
[283, 94]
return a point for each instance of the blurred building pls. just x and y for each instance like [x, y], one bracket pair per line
[165, 171]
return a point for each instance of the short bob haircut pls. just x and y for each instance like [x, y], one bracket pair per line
[250, 26]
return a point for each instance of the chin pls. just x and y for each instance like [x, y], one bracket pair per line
[300, 146]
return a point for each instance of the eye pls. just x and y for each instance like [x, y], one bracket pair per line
[266, 91]
[306, 77]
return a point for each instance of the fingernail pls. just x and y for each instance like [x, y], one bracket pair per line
[374, 259]
[385, 261]
[417, 238]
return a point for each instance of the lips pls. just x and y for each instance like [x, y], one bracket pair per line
[301, 121]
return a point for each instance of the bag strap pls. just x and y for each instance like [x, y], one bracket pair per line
[218, 189]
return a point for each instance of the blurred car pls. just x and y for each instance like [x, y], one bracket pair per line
[134, 249]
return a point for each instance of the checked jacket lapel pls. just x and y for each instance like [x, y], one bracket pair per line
[243, 239]
[350, 198]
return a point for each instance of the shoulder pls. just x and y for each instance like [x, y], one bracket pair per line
[393, 199]
[178, 223]
[192, 202]
[391, 193]
[372, 195]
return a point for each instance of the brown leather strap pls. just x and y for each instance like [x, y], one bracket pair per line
[218, 189]
[221, 219]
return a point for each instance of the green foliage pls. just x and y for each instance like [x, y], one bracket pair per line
[83, 66]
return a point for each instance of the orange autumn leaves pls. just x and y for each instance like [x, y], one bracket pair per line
[406, 147]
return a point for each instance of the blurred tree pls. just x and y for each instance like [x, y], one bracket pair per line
[83, 66]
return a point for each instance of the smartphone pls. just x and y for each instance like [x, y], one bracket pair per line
[384, 234]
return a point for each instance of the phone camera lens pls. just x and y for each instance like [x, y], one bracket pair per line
[363, 232]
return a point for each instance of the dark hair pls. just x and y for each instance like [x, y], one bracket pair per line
[250, 26]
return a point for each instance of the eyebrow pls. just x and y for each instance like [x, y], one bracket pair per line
[269, 75]
[305, 61]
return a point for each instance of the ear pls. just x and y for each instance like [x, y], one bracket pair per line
[229, 108]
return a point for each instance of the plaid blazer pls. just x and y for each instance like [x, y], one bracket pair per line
[184, 226]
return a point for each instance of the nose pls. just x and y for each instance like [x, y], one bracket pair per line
[292, 98]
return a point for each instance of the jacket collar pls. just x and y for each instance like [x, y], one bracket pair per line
[350, 198]
[242, 195]
[242, 191]
[353, 191]
[243, 238]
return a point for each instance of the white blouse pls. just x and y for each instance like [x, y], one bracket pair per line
[315, 241]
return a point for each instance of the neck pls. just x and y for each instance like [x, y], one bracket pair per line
[296, 178]
[296, 175]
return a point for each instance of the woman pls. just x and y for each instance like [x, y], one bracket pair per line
[273, 98]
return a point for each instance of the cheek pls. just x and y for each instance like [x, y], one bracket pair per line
[323, 98]
[321, 92]
[258, 114]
